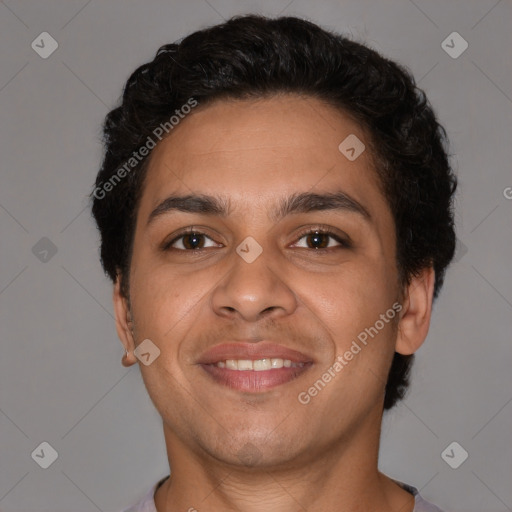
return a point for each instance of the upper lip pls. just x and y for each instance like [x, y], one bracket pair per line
[251, 351]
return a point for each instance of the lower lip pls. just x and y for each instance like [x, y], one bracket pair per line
[254, 381]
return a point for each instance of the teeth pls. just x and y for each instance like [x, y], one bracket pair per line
[261, 364]
[278, 363]
[258, 365]
[244, 364]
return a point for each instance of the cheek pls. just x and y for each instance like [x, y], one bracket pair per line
[352, 297]
[162, 298]
[165, 307]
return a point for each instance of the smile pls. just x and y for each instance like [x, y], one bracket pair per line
[257, 365]
[255, 375]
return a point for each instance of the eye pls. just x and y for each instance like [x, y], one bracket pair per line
[321, 239]
[318, 239]
[190, 241]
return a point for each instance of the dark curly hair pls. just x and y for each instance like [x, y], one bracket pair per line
[254, 57]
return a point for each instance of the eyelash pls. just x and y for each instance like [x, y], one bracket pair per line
[344, 243]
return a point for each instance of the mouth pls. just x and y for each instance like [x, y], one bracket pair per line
[254, 367]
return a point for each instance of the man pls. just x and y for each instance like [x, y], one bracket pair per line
[275, 210]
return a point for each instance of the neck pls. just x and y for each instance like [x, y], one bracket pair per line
[343, 477]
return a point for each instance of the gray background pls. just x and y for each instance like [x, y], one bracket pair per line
[61, 376]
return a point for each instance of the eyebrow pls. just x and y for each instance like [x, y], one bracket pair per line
[297, 203]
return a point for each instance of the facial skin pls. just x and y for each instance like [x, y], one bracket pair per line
[254, 154]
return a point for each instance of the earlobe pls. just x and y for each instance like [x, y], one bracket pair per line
[417, 309]
[124, 324]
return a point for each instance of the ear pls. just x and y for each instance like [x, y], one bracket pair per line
[124, 324]
[415, 316]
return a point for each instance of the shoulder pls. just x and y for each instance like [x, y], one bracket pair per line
[147, 502]
[420, 503]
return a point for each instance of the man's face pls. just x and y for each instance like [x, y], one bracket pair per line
[304, 292]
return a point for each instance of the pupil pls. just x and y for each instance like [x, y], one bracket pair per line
[192, 241]
[318, 240]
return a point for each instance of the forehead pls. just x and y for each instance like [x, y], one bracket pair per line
[253, 150]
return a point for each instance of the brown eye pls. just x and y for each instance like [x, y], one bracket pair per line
[317, 240]
[191, 241]
[320, 240]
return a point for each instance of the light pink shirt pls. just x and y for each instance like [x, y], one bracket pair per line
[147, 503]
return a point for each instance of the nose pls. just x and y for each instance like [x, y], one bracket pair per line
[252, 291]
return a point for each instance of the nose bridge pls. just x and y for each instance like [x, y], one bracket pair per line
[252, 284]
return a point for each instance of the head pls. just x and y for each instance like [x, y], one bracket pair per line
[252, 112]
